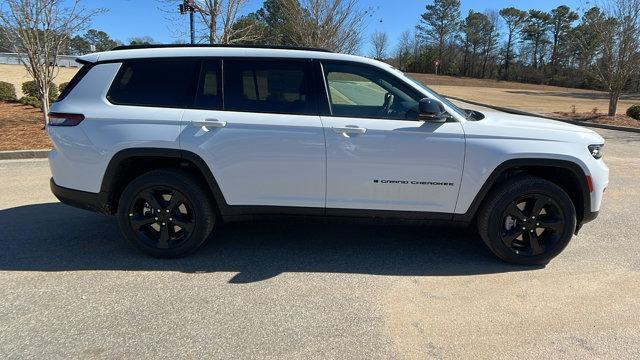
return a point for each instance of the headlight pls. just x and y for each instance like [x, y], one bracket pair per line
[596, 150]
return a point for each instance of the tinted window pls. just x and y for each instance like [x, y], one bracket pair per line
[162, 83]
[268, 86]
[364, 91]
[209, 92]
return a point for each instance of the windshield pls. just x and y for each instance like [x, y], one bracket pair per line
[438, 96]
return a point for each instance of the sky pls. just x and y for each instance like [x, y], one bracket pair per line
[133, 18]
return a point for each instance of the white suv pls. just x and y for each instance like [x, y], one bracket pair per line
[174, 140]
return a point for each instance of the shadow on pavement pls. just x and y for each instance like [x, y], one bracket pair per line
[55, 237]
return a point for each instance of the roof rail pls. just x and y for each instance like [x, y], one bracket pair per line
[161, 46]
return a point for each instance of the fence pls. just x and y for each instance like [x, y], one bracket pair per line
[14, 59]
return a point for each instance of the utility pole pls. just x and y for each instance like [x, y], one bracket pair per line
[189, 6]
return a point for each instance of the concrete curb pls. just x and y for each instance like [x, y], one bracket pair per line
[24, 154]
[525, 113]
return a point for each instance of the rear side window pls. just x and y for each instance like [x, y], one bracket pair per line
[161, 83]
[281, 86]
[84, 70]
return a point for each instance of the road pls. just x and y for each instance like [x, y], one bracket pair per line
[70, 287]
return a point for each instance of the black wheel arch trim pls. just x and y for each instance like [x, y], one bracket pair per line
[176, 154]
[585, 193]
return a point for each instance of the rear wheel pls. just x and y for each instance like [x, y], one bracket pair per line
[166, 213]
[527, 221]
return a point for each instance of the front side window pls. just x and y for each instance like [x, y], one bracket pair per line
[161, 83]
[281, 87]
[363, 91]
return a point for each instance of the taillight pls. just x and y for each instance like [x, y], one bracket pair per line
[62, 119]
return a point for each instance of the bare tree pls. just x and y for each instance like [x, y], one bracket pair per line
[380, 43]
[38, 30]
[218, 21]
[619, 55]
[330, 24]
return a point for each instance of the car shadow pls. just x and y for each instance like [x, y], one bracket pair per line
[56, 237]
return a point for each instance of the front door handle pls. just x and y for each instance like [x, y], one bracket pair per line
[349, 130]
[209, 123]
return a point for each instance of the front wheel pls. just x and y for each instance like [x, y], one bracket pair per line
[166, 213]
[527, 221]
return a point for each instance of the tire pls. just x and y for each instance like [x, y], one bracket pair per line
[536, 230]
[166, 213]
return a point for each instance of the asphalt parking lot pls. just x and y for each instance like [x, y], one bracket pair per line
[70, 287]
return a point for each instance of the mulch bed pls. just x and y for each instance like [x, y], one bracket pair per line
[21, 128]
[618, 120]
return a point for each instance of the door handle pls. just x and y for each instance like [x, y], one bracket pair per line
[209, 123]
[349, 130]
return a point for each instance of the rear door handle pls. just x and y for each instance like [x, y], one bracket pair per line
[349, 130]
[209, 123]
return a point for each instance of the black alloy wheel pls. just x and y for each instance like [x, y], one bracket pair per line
[166, 213]
[527, 220]
[162, 217]
[532, 224]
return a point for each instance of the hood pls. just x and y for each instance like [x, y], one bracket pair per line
[501, 124]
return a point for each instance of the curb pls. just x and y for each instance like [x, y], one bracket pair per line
[525, 113]
[24, 154]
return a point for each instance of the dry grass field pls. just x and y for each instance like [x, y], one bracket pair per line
[540, 99]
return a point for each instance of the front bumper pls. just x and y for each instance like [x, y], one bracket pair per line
[96, 202]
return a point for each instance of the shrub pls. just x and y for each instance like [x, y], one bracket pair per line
[31, 101]
[7, 91]
[30, 89]
[634, 112]
[62, 86]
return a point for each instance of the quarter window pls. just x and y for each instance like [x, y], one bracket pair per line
[161, 83]
[268, 86]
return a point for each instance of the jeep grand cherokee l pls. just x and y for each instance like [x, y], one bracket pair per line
[174, 140]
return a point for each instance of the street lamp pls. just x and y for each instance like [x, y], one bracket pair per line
[190, 6]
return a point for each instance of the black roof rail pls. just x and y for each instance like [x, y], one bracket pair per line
[162, 46]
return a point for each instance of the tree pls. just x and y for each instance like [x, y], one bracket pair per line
[100, 40]
[379, 42]
[619, 40]
[586, 41]
[561, 20]
[5, 45]
[78, 46]
[439, 23]
[38, 30]
[472, 31]
[514, 18]
[404, 50]
[490, 34]
[141, 40]
[275, 15]
[535, 31]
[335, 25]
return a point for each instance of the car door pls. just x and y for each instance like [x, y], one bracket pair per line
[379, 156]
[264, 142]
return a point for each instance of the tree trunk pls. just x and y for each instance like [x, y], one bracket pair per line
[506, 58]
[613, 102]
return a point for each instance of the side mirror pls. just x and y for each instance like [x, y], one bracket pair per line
[431, 111]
